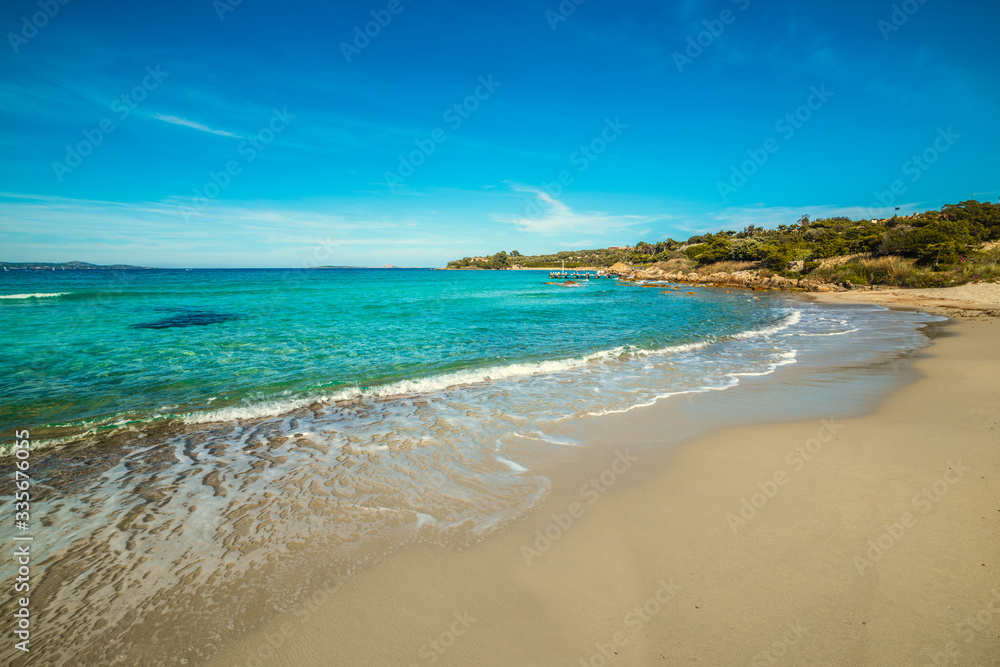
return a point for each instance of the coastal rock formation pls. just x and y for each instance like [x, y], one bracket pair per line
[749, 279]
[621, 269]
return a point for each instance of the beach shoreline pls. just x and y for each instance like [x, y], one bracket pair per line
[840, 540]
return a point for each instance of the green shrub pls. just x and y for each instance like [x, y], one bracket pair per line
[747, 250]
[863, 238]
[831, 246]
[715, 249]
[776, 257]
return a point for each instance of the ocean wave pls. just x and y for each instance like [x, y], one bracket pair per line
[789, 320]
[261, 409]
[35, 295]
[413, 386]
[277, 406]
[433, 383]
[731, 380]
[833, 333]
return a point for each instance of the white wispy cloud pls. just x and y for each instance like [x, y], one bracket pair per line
[192, 124]
[544, 214]
[155, 233]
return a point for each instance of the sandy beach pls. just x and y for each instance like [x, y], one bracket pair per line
[836, 540]
[500, 334]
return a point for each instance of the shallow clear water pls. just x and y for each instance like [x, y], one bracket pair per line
[240, 424]
[90, 348]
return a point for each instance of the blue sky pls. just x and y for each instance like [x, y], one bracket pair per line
[249, 135]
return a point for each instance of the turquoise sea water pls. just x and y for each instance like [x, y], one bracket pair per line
[92, 348]
[201, 435]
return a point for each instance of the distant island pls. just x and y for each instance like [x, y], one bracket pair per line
[957, 244]
[386, 266]
[74, 265]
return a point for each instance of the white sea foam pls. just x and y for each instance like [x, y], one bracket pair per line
[263, 408]
[427, 385]
[832, 333]
[790, 320]
[516, 467]
[35, 295]
[784, 358]
[660, 397]
[545, 437]
[436, 383]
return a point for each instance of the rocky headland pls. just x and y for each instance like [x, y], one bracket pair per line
[756, 279]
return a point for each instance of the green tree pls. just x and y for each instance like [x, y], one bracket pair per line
[715, 249]
[776, 256]
[863, 237]
[747, 250]
[498, 261]
[982, 217]
[831, 246]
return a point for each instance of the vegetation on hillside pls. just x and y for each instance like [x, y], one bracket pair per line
[573, 259]
[945, 247]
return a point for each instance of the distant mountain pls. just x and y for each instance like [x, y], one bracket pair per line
[63, 266]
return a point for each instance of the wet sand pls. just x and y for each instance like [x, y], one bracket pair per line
[864, 540]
